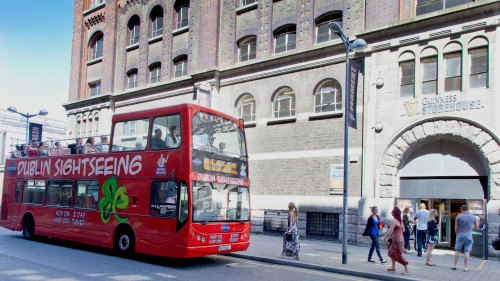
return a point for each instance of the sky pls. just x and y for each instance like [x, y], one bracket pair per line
[35, 55]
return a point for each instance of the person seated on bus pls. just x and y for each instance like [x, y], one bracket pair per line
[76, 148]
[156, 141]
[174, 139]
[17, 152]
[222, 148]
[103, 145]
[43, 149]
[24, 150]
[89, 146]
[210, 147]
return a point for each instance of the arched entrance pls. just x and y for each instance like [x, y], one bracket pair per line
[444, 163]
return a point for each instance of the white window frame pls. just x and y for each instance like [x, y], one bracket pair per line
[485, 72]
[96, 3]
[244, 3]
[422, 69]
[336, 89]
[331, 18]
[131, 128]
[135, 30]
[283, 95]
[155, 31]
[132, 75]
[95, 89]
[183, 64]
[95, 50]
[458, 54]
[156, 69]
[401, 83]
[183, 10]
[247, 43]
[287, 31]
[246, 101]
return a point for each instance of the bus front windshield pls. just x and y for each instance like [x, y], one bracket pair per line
[217, 135]
[213, 202]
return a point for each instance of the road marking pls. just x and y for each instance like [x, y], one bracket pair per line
[165, 275]
[481, 266]
[327, 274]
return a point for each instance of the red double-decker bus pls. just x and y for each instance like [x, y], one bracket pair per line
[173, 183]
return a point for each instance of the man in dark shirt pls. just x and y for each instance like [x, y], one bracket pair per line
[156, 141]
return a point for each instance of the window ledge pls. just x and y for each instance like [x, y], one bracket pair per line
[282, 120]
[325, 115]
[250, 124]
[180, 30]
[98, 7]
[132, 47]
[94, 61]
[247, 8]
[155, 39]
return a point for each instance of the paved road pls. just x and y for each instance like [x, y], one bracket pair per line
[49, 259]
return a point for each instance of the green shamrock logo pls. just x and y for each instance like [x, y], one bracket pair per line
[114, 198]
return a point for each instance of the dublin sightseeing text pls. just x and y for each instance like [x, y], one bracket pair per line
[125, 165]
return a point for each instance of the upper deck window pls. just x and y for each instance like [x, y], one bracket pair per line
[215, 134]
[166, 132]
[130, 135]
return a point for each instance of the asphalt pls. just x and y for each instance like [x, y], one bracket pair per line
[327, 256]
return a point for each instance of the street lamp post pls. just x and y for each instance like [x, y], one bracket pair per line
[358, 43]
[27, 116]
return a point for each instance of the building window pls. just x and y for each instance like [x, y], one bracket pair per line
[246, 2]
[95, 3]
[155, 72]
[84, 127]
[323, 32]
[478, 67]
[246, 108]
[407, 74]
[247, 48]
[96, 124]
[78, 128]
[134, 26]
[180, 66]
[182, 9]
[156, 21]
[284, 103]
[284, 39]
[96, 46]
[322, 225]
[428, 6]
[328, 97]
[453, 72]
[95, 89]
[132, 78]
[429, 75]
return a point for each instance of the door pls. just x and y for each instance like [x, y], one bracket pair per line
[479, 245]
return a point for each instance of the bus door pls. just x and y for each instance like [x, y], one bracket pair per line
[13, 205]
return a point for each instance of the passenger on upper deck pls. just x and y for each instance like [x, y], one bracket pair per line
[24, 150]
[103, 145]
[43, 149]
[89, 146]
[156, 141]
[76, 148]
[174, 140]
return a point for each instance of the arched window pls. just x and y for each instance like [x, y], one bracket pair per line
[132, 78]
[95, 3]
[407, 75]
[84, 127]
[96, 124]
[284, 39]
[96, 45]
[328, 96]
[95, 88]
[453, 67]
[245, 108]
[90, 132]
[429, 68]
[134, 26]
[284, 103]
[246, 48]
[180, 66]
[156, 17]
[78, 127]
[182, 10]
[323, 32]
[155, 72]
[478, 60]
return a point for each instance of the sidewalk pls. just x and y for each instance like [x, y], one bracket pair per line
[327, 256]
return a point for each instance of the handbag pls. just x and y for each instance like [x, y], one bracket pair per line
[496, 244]
[288, 237]
[388, 242]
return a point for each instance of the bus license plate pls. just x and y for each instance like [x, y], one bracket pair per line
[224, 248]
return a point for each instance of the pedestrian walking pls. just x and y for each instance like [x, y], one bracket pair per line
[432, 235]
[396, 245]
[464, 225]
[373, 226]
[291, 245]
[421, 218]
[407, 233]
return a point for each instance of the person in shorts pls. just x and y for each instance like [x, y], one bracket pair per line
[464, 225]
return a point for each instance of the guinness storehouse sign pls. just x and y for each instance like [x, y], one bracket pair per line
[439, 104]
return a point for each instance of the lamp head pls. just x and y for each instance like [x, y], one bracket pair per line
[43, 112]
[12, 109]
[335, 27]
[359, 44]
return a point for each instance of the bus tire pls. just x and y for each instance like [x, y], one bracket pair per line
[124, 243]
[28, 227]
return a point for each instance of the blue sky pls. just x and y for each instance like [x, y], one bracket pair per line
[35, 55]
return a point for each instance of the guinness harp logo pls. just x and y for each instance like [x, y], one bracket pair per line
[410, 107]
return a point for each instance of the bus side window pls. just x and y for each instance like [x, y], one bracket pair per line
[166, 132]
[163, 200]
[86, 194]
[183, 206]
[59, 193]
[34, 192]
[16, 194]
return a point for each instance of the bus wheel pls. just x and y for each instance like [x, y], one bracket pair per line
[124, 243]
[28, 227]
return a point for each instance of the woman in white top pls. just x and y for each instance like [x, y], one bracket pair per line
[174, 139]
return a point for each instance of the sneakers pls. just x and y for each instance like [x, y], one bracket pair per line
[383, 261]
[370, 260]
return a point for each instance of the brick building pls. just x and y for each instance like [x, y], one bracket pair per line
[276, 65]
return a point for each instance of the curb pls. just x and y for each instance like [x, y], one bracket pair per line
[321, 267]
